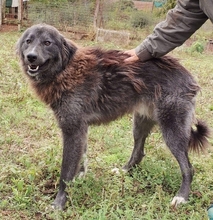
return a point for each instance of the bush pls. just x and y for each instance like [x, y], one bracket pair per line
[167, 6]
[124, 5]
[141, 19]
[198, 46]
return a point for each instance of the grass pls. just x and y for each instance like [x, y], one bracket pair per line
[30, 146]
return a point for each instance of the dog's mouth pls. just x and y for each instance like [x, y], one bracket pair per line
[34, 70]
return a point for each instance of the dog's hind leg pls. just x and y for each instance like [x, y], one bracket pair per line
[141, 128]
[176, 130]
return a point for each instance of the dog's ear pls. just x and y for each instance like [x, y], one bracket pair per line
[68, 51]
[18, 47]
[19, 44]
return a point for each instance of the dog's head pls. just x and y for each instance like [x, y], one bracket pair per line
[44, 52]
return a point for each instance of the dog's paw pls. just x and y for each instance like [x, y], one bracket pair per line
[177, 200]
[81, 175]
[60, 200]
[118, 171]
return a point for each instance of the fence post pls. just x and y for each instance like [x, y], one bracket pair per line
[95, 20]
[20, 9]
[1, 5]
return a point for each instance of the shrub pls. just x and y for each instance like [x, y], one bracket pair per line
[124, 5]
[198, 46]
[141, 19]
[167, 6]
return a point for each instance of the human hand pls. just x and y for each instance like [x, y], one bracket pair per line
[133, 57]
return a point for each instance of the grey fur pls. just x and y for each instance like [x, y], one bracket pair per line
[86, 86]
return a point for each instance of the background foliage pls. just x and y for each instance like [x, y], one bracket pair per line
[121, 15]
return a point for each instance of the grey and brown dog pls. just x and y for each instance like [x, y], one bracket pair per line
[86, 86]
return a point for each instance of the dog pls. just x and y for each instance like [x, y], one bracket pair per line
[88, 85]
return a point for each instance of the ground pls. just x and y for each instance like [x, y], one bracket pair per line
[189, 42]
[8, 28]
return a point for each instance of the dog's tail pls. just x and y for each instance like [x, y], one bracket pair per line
[199, 137]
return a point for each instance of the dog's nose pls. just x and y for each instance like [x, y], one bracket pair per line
[32, 57]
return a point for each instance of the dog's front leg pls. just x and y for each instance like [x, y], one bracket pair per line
[74, 139]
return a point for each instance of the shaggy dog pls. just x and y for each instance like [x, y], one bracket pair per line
[86, 86]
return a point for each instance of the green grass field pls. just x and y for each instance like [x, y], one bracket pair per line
[30, 147]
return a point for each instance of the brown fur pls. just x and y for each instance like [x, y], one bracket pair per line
[76, 72]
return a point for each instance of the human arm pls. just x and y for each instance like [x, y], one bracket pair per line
[181, 22]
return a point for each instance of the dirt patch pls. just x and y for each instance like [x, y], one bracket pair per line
[8, 28]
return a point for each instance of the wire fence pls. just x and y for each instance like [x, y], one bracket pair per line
[63, 16]
[110, 19]
[101, 19]
[110, 13]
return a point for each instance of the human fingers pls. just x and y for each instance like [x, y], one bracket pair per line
[131, 59]
[130, 52]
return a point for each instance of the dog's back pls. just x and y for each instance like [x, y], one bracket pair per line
[112, 88]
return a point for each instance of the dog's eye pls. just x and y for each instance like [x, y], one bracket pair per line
[47, 43]
[28, 41]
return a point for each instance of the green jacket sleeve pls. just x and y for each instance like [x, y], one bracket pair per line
[181, 22]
